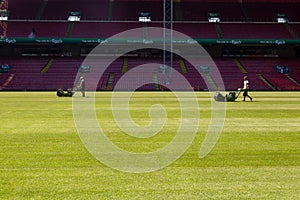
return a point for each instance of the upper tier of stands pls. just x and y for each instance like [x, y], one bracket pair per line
[124, 10]
[24, 9]
[90, 9]
[101, 18]
[194, 11]
[267, 11]
[128, 10]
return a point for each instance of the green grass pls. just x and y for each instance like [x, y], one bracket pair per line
[256, 157]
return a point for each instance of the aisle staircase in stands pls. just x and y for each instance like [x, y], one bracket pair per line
[244, 11]
[218, 30]
[182, 66]
[266, 81]
[291, 31]
[293, 80]
[41, 10]
[7, 82]
[125, 65]
[155, 81]
[178, 11]
[210, 82]
[240, 66]
[110, 9]
[70, 29]
[47, 66]
[109, 85]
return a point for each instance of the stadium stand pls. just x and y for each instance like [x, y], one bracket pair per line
[90, 9]
[43, 29]
[254, 30]
[129, 10]
[199, 30]
[26, 10]
[230, 72]
[103, 29]
[294, 68]
[296, 29]
[193, 11]
[246, 19]
[265, 66]
[258, 11]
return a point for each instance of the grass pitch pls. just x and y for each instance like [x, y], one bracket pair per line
[257, 155]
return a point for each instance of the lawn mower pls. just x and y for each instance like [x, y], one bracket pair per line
[231, 96]
[67, 93]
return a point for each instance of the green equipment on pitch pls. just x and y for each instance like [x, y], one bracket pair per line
[231, 96]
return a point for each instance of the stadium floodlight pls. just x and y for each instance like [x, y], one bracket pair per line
[282, 18]
[144, 17]
[4, 15]
[213, 17]
[74, 16]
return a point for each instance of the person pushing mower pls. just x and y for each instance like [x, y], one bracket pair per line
[246, 89]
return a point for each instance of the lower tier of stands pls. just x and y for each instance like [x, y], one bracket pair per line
[33, 74]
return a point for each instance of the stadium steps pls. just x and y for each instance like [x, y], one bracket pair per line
[292, 79]
[155, 81]
[41, 10]
[240, 66]
[47, 66]
[100, 84]
[110, 9]
[182, 66]
[145, 30]
[8, 80]
[210, 81]
[70, 29]
[125, 65]
[109, 85]
[281, 82]
[178, 11]
[265, 81]
[291, 31]
[245, 11]
[218, 30]
[3, 77]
